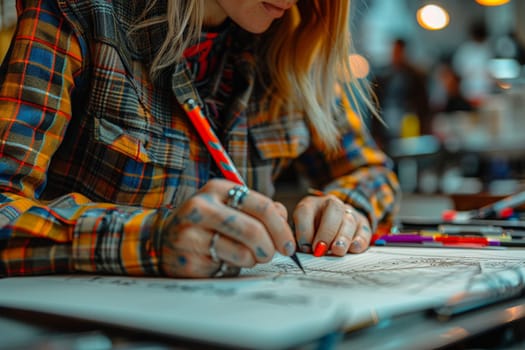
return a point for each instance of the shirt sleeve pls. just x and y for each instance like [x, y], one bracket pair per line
[359, 173]
[38, 77]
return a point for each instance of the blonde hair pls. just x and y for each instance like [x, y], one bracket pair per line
[305, 55]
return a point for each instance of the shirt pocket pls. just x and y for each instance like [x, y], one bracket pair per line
[151, 161]
[276, 146]
[280, 140]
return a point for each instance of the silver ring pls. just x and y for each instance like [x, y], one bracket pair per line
[236, 196]
[226, 271]
[349, 211]
[212, 249]
[222, 270]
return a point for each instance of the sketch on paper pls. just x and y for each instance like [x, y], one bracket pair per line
[403, 269]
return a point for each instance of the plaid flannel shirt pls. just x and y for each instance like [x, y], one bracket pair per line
[93, 154]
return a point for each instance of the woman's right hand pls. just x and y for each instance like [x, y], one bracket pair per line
[250, 228]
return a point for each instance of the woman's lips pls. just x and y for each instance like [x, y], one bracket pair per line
[274, 11]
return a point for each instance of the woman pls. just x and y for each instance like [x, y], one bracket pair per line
[102, 170]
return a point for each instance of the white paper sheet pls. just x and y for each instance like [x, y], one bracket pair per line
[273, 305]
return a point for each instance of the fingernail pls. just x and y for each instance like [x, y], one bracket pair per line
[356, 245]
[289, 248]
[340, 243]
[306, 248]
[261, 253]
[320, 249]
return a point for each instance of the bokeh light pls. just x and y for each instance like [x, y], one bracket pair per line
[432, 17]
[359, 66]
[492, 2]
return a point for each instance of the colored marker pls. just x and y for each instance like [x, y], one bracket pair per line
[404, 238]
[478, 230]
[217, 151]
[463, 239]
[498, 208]
[434, 244]
[440, 239]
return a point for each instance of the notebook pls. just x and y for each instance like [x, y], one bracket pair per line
[273, 305]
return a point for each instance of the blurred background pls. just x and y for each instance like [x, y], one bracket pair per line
[7, 24]
[450, 79]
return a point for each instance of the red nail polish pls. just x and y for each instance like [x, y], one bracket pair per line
[320, 249]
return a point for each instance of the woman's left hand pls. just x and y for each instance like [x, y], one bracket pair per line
[325, 223]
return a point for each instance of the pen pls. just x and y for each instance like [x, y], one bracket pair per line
[497, 208]
[406, 238]
[446, 239]
[470, 230]
[217, 151]
[440, 239]
[480, 230]
[437, 237]
[434, 244]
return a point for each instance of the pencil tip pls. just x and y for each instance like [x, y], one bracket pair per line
[295, 258]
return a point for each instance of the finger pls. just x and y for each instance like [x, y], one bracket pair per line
[232, 252]
[265, 211]
[244, 231]
[282, 210]
[332, 216]
[212, 215]
[345, 236]
[225, 249]
[190, 255]
[305, 222]
[362, 236]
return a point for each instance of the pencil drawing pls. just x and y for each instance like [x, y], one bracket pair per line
[404, 270]
[409, 271]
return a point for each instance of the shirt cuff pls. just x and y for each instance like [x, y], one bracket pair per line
[118, 240]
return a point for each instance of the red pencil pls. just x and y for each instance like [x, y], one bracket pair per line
[214, 146]
[217, 151]
[458, 239]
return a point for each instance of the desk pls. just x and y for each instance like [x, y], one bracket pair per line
[490, 328]
[21, 330]
[497, 327]
[397, 286]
